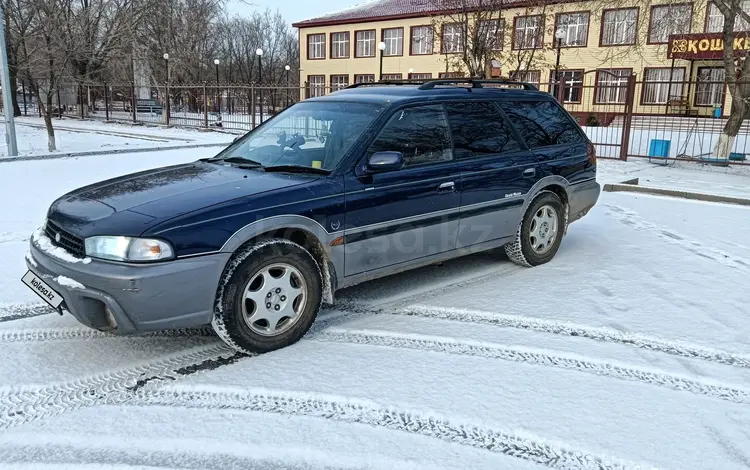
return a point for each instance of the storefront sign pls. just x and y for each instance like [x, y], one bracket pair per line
[706, 45]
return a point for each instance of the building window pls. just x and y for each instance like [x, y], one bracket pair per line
[669, 19]
[316, 85]
[492, 30]
[619, 27]
[528, 32]
[364, 78]
[339, 81]
[421, 40]
[394, 41]
[529, 76]
[572, 86]
[451, 75]
[453, 38]
[662, 85]
[340, 45]
[612, 85]
[316, 46]
[365, 43]
[709, 90]
[391, 77]
[420, 76]
[715, 20]
[576, 27]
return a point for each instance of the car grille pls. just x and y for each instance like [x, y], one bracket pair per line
[67, 240]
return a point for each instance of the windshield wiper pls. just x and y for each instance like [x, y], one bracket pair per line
[297, 169]
[242, 160]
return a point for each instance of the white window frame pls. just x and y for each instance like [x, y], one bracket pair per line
[316, 46]
[365, 43]
[529, 76]
[420, 76]
[612, 89]
[528, 32]
[573, 79]
[453, 38]
[339, 81]
[316, 85]
[710, 94]
[364, 78]
[657, 86]
[340, 45]
[394, 42]
[715, 23]
[669, 19]
[491, 27]
[576, 26]
[421, 40]
[622, 25]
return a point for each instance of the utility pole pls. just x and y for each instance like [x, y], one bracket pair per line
[10, 124]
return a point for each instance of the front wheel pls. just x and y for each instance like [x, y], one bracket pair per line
[540, 232]
[269, 297]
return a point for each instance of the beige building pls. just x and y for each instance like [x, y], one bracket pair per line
[600, 45]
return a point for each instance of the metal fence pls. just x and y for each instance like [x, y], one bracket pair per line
[623, 116]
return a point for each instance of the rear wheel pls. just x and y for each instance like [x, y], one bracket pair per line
[269, 297]
[540, 232]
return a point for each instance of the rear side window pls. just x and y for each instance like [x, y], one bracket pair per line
[542, 123]
[478, 129]
[420, 133]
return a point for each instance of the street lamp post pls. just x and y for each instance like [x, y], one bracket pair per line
[381, 46]
[166, 87]
[259, 53]
[218, 93]
[559, 36]
[287, 68]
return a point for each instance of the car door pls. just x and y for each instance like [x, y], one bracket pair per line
[410, 213]
[496, 171]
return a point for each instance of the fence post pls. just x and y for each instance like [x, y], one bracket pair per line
[132, 101]
[205, 106]
[106, 102]
[252, 104]
[166, 98]
[627, 122]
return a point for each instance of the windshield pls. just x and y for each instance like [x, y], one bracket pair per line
[309, 134]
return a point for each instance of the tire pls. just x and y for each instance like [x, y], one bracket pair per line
[533, 244]
[276, 273]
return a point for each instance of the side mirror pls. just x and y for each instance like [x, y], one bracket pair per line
[381, 162]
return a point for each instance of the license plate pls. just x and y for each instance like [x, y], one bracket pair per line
[42, 289]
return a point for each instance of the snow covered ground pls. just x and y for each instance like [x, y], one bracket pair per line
[73, 135]
[628, 350]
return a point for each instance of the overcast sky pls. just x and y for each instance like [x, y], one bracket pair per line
[291, 10]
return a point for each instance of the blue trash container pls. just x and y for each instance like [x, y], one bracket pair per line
[659, 150]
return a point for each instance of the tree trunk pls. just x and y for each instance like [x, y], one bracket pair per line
[739, 112]
[45, 111]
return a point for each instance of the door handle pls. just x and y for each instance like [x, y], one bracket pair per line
[446, 187]
[529, 172]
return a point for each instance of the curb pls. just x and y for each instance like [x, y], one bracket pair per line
[52, 156]
[620, 187]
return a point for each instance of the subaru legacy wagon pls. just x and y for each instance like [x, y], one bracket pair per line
[333, 191]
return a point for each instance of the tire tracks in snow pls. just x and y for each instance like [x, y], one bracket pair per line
[536, 356]
[21, 311]
[58, 334]
[526, 447]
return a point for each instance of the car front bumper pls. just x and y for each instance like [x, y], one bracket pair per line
[129, 298]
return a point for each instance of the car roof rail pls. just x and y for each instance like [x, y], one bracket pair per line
[475, 83]
[385, 82]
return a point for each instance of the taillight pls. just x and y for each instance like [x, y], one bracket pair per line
[592, 154]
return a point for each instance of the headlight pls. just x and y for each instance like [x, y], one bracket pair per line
[128, 249]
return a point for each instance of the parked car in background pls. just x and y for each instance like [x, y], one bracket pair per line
[333, 191]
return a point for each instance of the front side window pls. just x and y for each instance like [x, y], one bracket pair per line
[420, 133]
[478, 130]
[612, 85]
[662, 85]
[339, 45]
[669, 19]
[619, 27]
[576, 28]
[316, 46]
[453, 38]
[709, 90]
[529, 32]
[394, 41]
[365, 43]
[542, 123]
[421, 40]
[310, 134]
[572, 81]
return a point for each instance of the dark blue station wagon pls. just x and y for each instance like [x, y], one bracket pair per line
[336, 190]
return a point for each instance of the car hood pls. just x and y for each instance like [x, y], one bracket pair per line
[149, 197]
